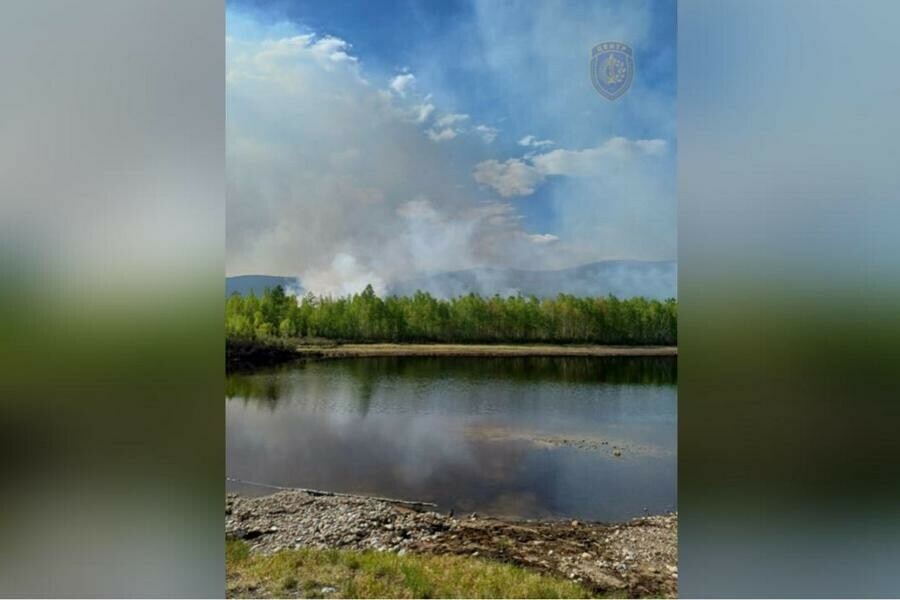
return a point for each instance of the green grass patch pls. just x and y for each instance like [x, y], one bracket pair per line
[349, 574]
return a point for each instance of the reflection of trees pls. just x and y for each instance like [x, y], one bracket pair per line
[366, 380]
[264, 390]
[367, 373]
[583, 369]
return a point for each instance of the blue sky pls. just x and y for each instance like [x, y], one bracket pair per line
[459, 134]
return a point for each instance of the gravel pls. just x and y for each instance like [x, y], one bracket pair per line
[638, 558]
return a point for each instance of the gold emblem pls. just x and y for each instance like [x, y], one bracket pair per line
[612, 69]
[615, 70]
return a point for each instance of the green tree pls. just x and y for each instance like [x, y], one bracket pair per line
[365, 317]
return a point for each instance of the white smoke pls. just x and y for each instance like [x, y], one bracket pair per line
[345, 177]
[334, 179]
[344, 276]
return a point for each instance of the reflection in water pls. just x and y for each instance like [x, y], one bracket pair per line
[413, 428]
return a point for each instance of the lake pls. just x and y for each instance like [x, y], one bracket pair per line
[576, 438]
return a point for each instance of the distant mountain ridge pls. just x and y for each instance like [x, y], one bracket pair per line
[244, 284]
[622, 278]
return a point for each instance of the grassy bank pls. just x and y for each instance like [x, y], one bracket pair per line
[636, 559]
[312, 573]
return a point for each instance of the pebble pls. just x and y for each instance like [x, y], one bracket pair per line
[597, 555]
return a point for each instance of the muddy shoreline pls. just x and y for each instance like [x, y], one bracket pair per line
[242, 355]
[480, 350]
[637, 558]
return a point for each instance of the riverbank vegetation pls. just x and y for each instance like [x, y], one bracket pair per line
[312, 573]
[367, 318]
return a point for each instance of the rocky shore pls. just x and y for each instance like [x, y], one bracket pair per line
[637, 558]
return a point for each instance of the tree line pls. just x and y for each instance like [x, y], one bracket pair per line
[365, 317]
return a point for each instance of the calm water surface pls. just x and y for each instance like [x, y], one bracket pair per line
[516, 437]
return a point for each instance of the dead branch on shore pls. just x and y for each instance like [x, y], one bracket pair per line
[312, 492]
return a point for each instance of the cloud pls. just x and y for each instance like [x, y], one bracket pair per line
[543, 238]
[333, 49]
[272, 55]
[531, 141]
[450, 119]
[511, 178]
[521, 176]
[419, 208]
[331, 179]
[443, 128]
[402, 83]
[326, 157]
[421, 112]
[652, 147]
[488, 134]
[442, 135]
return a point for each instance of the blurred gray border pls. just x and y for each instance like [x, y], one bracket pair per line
[112, 132]
[789, 284]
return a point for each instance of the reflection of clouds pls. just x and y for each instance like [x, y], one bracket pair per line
[352, 426]
[432, 446]
[343, 452]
